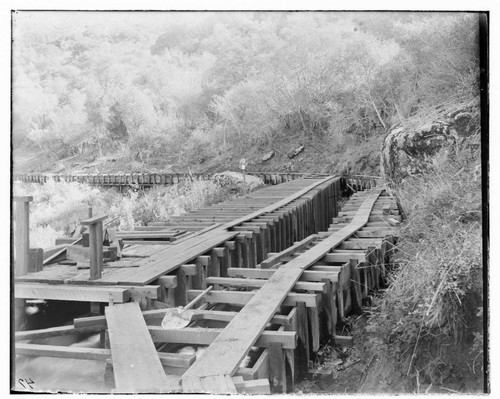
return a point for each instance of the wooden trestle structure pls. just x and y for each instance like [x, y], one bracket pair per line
[285, 265]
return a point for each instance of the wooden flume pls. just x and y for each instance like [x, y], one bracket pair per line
[286, 266]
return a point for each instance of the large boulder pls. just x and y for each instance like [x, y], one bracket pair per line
[234, 181]
[410, 151]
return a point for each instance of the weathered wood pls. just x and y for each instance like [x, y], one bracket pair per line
[276, 258]
[35, 260]
[254, 387]
[73, 352]
[22, 234]
[168, 281]
[217, 384]
[243, 298]
[136, 365]
[54, 332]
[206, 336]
[256, 283]
[226, 353]
[71, 293]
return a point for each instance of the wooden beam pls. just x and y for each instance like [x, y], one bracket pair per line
[136, 365]
[278, 257]
[99, 322]
[256, 283]
[243, 298]
[22, 234]
[74, 352]
[54, 332]
[254, 387]
[71, 293]
[71, 352]
[307, 275]
[206, 336]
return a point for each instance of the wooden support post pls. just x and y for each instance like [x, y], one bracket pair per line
[22, 234]
[356, 288]
[224, 260]
[303, 337]
[96, 250]
[183, 285]
[313, 316]
[277, 367]
[35, 263]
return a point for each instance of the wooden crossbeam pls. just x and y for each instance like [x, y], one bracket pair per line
[275, 259]
[54, 332]
[97, 323]
[243, 298]
[307, 275]
[256, 283]
[178, 360]
[206, 336]
[71, 293]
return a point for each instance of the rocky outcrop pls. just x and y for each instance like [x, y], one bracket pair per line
[411, 151]
[234, 181]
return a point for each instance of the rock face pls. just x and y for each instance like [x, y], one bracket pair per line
[410, 151]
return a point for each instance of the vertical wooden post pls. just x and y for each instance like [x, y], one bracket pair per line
[22, 234]
[96, 252]
[35, 263]
[277, 368]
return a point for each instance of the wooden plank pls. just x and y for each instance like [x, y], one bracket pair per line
[254, 387]
[166, 261]
[71, 352]
[71, 293]
[256, 283]
[74, 352]
[275, 259]
[136, 365]
[243, 298]
[217, 384]
[307, 275]
[99, 322]
[206, 336]
[226, 352]
[54, 332]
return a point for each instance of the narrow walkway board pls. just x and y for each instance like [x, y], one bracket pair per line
[223, 357]
[136, 365]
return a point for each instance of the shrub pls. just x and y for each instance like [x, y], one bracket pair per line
[435, 295]
[58, 208]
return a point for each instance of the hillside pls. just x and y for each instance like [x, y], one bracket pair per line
[133, 92]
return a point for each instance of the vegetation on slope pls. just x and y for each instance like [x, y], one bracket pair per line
[149, 91]
[58, 208]
[430, 319]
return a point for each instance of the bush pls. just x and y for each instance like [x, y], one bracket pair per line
[435, 294]
[161, 203]
[58, 208]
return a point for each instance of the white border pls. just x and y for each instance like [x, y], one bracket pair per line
[423, 5]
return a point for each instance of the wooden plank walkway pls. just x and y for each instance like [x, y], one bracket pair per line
[223, 357]
[136, 365]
